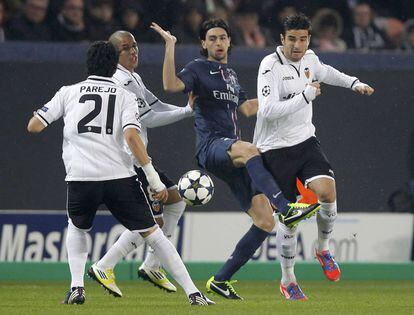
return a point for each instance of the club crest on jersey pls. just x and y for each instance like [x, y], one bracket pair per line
[266, 90]
[307, 72]
[229, 76]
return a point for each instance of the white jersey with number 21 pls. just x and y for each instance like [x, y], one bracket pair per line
[95, 112]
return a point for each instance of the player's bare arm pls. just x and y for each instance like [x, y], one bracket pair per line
[191, 99]
[139, 151]
[249, 108]
[169, 78]
[35, 125]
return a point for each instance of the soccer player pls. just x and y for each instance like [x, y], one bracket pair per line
[153, 113]
[219, 148]
[288, 81]
[99, 117]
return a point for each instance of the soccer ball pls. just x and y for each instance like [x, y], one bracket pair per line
[196, 188]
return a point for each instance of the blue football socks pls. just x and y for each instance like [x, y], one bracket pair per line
[265, 183]
[244, 250]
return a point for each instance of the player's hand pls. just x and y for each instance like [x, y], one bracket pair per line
[363, 89]
[166, 35]
[191, 99]
[161, 195]
[317, 85]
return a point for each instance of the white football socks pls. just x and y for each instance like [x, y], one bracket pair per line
[126, 243]
[326, 220]
[172, 214]
[170, 260]
[76, 244]
[286, 242]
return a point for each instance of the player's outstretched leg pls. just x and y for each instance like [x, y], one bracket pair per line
[75, 296]
[286, 243]
[151, 270]
[76, 241]
[199, 298]
[326, 219]
[223, 288]
[292, 292]
[106, 278]
[298, 212]
[265, 182]
[329, 266]
[172, 262]
[245, 248]
[102, 271]
[157, 277]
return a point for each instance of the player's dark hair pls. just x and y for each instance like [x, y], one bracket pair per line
[209, 24]
[102, 59]
[297, 22]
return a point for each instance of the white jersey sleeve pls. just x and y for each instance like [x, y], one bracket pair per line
[129, 115]
[329, 75]
[268, 84]
[52, 110]
[151, 99]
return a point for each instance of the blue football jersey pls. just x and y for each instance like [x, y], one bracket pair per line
[219, 95]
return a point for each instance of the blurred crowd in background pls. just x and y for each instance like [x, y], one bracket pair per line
[338, 25]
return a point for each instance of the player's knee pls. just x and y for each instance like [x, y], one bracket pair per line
[265, 224]
[327, 196]
[250, 150]
[81, 224]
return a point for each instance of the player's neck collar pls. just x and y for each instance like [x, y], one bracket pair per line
[122, 68]
[282, 58]
[217, 62]
[99, 78]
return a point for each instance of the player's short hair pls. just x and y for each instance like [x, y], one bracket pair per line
[102, 59]
[297, 22]
[209, 24]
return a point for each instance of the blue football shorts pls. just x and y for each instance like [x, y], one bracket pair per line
[219, 163]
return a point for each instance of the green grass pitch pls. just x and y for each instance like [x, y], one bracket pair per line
[261, 297]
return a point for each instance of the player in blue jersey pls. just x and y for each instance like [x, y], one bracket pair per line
[219, 149]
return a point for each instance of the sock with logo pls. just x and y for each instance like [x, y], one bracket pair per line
[244, 250]
[172, 214]
[286, 242]
[326, 220]
[170, 260]
[127, 242]
[76, 244]
[265, 183]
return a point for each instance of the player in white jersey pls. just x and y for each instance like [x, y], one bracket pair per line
[288, 81]
[99, 117]
[153, 113]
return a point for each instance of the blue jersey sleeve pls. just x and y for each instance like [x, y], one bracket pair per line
[242, 96]
[189, 77]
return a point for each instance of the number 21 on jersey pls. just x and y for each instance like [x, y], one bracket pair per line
[97, 99]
